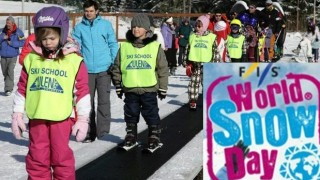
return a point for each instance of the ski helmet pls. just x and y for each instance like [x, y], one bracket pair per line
[244, 18]
[235, 22]
[253, 22]
[53, 17]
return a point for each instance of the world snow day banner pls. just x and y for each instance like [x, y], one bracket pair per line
[261, 121]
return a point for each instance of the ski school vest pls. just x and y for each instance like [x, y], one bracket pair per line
[261, 42]
[234, 46]
[138, 65]
[49, 93]
[201, 47]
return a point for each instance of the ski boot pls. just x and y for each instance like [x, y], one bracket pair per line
[130, 140]
[154, 138]
[173, 71]
[193, 106]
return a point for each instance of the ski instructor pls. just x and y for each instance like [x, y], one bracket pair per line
[99, 48]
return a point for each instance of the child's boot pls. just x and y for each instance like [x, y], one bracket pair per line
[131, 137]
[154, 137]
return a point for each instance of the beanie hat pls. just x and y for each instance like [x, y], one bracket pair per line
[269, 2]
[169, 20]
[220, 26]
[10, 18]
[205, 21]
[141, 20]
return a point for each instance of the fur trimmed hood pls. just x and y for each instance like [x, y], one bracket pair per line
[136, 42]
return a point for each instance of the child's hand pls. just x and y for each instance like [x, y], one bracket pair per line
[17, 125]
[162, 94]
[119, 91]
[189, 70]
[80, 128]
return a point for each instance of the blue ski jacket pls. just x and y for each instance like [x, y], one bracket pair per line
[98, 43]
[17, 40]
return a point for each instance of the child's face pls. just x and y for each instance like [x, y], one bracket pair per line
[199, 28]
[139, 32]
[51, 41]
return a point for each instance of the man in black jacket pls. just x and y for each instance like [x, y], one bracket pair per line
[271, 16]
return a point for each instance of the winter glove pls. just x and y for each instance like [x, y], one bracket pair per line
[162, 94]
[80, 128]
[189, 70]
[119, 91]
[18, 125]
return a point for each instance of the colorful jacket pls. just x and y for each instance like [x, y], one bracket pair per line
[81, 87]
[184, 30]
[166, 31]
[16, 41]
[162, 71]
[98, 43]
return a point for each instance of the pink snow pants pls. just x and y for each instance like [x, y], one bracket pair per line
[49, 149]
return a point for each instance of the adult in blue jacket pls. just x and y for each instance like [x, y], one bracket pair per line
[11, 39]
[99, 48]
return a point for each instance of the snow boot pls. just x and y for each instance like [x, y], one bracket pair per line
[173, 71]
[154, 137]
[131, 137]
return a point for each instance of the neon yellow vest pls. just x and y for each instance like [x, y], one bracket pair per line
[261, 42]
[234, 46]
[201, 47]
[49, 93]
[138, 65]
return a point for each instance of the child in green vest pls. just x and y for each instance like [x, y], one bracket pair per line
[236, 44]
[53, 80]
[203, 48]
[141, 73]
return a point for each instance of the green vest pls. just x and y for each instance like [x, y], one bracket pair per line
[201, 47]
[261, 41]
[138, 65]
[234, 46]
[49, 92]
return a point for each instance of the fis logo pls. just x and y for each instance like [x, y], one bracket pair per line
[200, 45]
[46, 84]
[138, 64]
[255, 69]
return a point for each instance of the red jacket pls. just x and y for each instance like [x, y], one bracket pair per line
[213, 22]
[26, 48]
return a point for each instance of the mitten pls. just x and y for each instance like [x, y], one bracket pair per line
[17, 125]
[80, 128]
[119, 91]
[189, 70]
[162, 94]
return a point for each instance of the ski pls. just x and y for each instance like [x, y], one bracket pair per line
[150, 151]
[127, 148]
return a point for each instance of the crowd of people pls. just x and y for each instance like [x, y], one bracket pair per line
[62, 75]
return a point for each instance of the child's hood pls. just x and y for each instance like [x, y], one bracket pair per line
[71, 46]
[140, 43]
